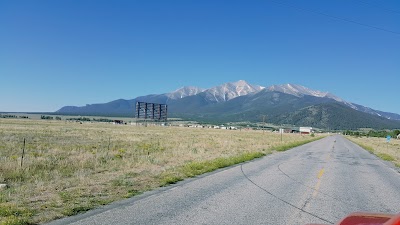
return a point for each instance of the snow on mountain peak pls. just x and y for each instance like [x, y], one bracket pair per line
[184, 92]
[298, 90]
[291, 89]
[231, 90]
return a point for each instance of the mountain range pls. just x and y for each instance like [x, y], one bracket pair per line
[241, 101]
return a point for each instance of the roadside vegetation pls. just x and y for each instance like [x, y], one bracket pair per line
[388, 151]
[71, 167]
[373, 133]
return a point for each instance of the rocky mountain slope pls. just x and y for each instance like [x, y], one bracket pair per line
[241, 101]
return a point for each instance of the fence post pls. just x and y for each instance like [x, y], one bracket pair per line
[109, 142]
[23, 153]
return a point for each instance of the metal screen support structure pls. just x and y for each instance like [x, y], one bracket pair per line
[151, 112]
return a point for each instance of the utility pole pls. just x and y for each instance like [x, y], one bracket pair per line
[264, 123]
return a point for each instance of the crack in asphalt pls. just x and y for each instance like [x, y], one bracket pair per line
[282, 200]
[321, 192]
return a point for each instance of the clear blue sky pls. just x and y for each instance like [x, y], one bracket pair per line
[57, 53]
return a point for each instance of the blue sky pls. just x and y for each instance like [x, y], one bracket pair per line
[57, 53]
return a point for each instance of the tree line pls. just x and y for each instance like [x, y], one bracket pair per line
[13, 116]
[373, 133]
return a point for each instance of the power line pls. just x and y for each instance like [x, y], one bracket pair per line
[379, 7]
[335, 17]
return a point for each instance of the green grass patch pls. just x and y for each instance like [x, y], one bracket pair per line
[14, 220]
[167, 179]
[12, 215]
[193, 169]
[285, 147]
[385, 157]
[77, 209]
[132, 192]
[196, 168]
[366, 147]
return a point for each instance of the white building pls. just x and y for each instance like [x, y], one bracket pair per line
[306, 130]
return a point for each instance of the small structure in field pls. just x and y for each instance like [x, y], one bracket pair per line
[288, 130]
[306, 130]
[118, 122]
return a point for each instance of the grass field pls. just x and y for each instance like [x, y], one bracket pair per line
[378, 146]
[70, 167]
[36, 116]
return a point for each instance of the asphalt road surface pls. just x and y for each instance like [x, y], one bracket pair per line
[319, 182]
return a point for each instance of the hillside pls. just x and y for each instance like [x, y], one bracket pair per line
[335, 115]
[241, 101]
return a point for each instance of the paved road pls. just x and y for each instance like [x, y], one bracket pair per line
[319, 182]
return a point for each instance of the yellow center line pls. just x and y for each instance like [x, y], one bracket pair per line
[317, 186]
[319, 176]
[321, 172]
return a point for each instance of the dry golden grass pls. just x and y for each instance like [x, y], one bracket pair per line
[70, 167]
[378, 146]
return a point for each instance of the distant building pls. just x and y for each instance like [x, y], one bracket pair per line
[118, 122]
[306, 130]
[288, 130]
